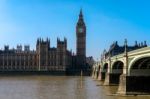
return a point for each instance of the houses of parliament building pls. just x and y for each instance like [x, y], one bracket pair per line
[46, 58]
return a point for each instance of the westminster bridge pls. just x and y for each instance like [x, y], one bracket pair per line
[129, 70]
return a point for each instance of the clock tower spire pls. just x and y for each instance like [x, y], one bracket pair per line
[80, 20]
[81, 41]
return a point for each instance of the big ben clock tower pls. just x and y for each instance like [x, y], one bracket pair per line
[81, 41]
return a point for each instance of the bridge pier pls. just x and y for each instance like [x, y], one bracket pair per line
[92, 74]
[107, 79]
[122, 85]
[101, 76]
[134, 85]
[112, 79]
[95, 74]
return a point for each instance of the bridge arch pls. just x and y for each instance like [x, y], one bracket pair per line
[116, 71]
[117, 67]
[140, 66]
[104, 70]
[105, 67]
[139, 74]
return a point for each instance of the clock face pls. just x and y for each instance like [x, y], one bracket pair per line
[80, 30]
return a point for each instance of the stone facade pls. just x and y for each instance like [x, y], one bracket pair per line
[45, 57]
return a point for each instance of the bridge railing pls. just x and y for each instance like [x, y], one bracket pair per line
[141, 50]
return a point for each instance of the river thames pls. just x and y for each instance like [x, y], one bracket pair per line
[56, 87]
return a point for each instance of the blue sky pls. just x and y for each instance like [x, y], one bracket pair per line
[23, 21]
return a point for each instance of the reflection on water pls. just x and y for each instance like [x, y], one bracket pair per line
[55, 87]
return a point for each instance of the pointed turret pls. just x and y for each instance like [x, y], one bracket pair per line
[37, 42]
[136, 44]
[81, 19]
[81, 15]
[145, 44]
[125, 45]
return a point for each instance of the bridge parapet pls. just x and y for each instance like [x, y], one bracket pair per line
[144, 50]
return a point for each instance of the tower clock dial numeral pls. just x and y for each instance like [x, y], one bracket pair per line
[80, 30]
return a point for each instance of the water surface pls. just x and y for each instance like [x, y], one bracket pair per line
[56, 87]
